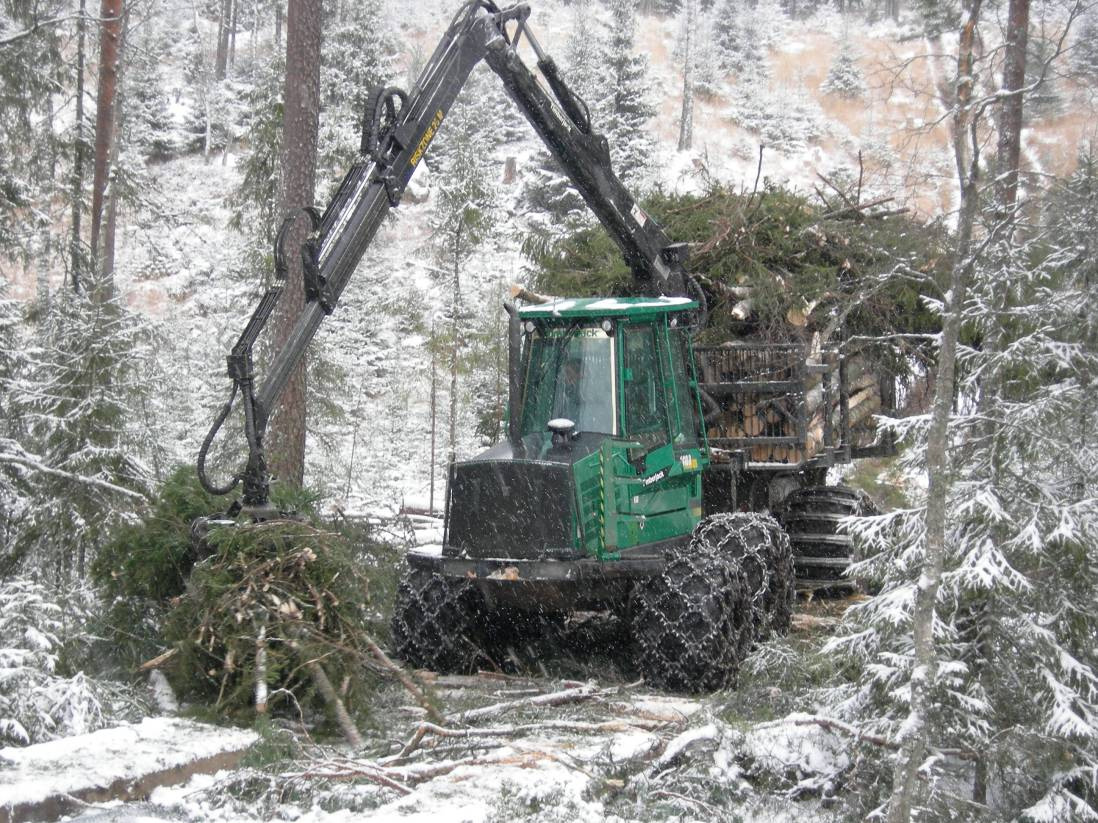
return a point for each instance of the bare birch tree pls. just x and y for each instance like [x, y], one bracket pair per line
[966, 143]
[690, 43]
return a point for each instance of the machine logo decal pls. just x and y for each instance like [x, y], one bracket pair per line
[428, 135]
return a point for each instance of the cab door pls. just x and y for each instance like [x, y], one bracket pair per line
[655, 486]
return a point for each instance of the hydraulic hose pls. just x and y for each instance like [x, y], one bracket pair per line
[203, 479]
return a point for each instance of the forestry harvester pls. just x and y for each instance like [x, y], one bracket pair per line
[639, 472]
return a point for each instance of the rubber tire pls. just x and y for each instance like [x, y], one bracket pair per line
[437, 622]
[813, 512]
[687, 622]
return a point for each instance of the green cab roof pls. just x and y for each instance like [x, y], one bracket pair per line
[595, 307]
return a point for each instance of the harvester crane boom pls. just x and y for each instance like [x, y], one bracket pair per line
[398, 127]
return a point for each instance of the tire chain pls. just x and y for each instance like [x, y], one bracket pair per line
[434, 621]
[760, 548]
[688, 622]
[731, 585]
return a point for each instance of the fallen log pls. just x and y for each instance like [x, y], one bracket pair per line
[48, 780]
[425, 730]
[552, 699]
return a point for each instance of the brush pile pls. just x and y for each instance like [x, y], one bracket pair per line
[277, 612]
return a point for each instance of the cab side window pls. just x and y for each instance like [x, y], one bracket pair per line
[682, 368]
[645, 398]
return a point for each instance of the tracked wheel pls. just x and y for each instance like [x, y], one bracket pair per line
[821, 552]
[437, 622]
[689, 621]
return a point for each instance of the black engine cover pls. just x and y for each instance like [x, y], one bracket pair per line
[519, 509]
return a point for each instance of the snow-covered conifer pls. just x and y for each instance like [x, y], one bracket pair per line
[740, 41]
[844, 77]
[255, 200]
[36, 703]
[626, 108]
[148, 127]
[32, 70]
[1043, 69]
[75, 399]
[783, 118]
[465, 192]
[552, 202]
[1015, 703]
[15, 485]
[359, 51]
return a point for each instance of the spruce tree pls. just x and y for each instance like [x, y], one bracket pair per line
[360, 51]
[16, 489]
[32, 69]
[844, 77]
[148, 127]
[465, 193]
[1015, 704]
[75, 399]
[552, 202]
[626, 107]
[255, 200]
[1042, 72]
[741, 44]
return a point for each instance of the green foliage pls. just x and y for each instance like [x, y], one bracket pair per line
[300, 586]
[150, 559]
[275, 745]
[787, 250]
[146, 563]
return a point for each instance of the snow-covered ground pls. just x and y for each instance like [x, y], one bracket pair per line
[613, 753]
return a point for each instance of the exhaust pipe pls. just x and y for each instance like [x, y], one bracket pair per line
[514, 376]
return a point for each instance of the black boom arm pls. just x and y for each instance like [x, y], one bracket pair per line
[397, 129]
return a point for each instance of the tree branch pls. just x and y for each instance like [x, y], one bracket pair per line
[10, 39]
[34, 463]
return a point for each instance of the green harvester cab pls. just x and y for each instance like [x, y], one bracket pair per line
[606, 455]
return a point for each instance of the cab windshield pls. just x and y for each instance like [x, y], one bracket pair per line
[569, 374]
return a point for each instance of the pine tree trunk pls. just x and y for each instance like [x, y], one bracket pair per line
[110, 49]
[278, 23]
[914, 730]
[105, 263]
[301, 119]
[1010, 116]
[686, 121]
[78, 148]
